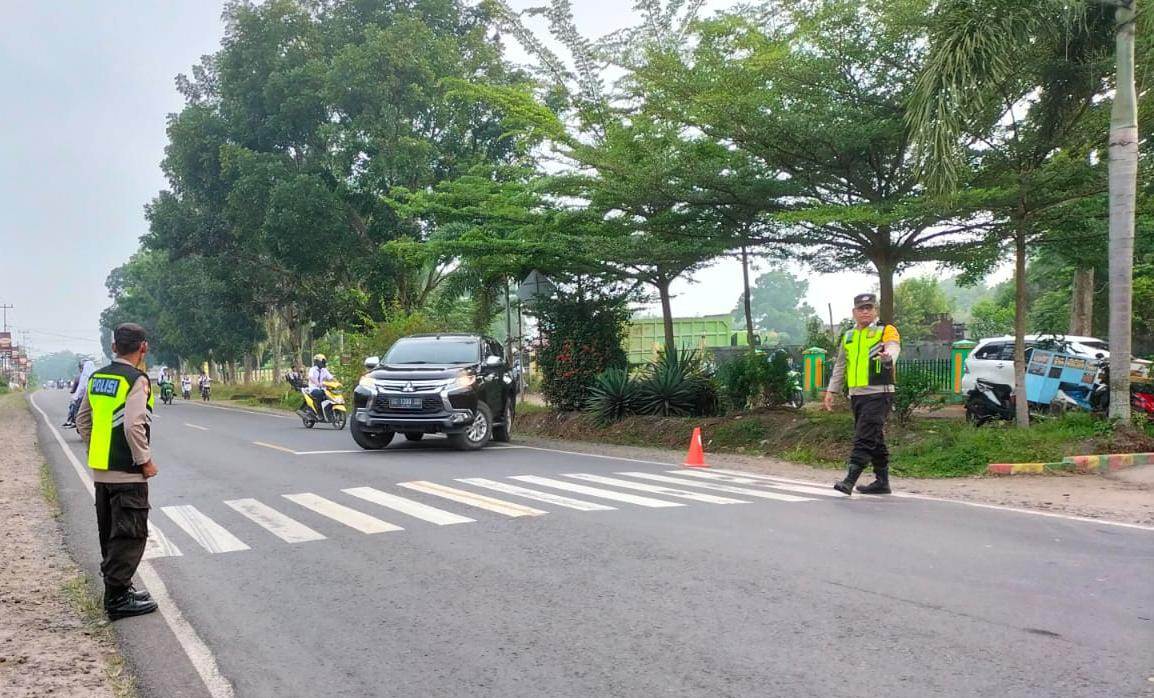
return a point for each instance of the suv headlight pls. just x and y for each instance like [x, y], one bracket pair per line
[465, 380]
[368, 383]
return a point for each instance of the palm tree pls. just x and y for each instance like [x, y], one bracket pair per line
[977, 75]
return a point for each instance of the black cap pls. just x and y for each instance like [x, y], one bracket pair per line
[865, 299]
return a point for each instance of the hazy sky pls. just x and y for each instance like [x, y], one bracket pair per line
[86, 86]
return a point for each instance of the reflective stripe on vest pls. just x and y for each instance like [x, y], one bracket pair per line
[861, 368]
[108, 391]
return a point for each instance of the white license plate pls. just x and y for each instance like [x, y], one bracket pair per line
[406, 403]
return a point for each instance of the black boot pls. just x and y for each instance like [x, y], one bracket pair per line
[851, 476]
[141, 595]
[126, 604]
[881, 483]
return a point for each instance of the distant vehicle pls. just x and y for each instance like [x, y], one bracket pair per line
[453, 384]
[992, 359]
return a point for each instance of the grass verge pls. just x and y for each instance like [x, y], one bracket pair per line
[924, 448]
[84, 599]
[258, 395]
[48, 490]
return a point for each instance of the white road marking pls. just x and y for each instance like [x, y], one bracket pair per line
[656, 489]
[158, 544]
[720, 488]
[212, 536]
[274, 447]
[597, 492]
[342, 514]
[739, 480]
[328, 453]
[196, 426]
[287, 529]
[198, 653]
[476, 500]
[527, 493]
[770, 478]
[408, 506]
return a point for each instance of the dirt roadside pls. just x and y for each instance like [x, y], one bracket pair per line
[54, 640]
[1126, 496]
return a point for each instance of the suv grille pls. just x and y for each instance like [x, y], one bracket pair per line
[429, 405]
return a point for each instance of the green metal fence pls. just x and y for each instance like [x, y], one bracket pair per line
[939, 371]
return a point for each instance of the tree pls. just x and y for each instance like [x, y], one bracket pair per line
[1017, 79]
[991, 319]
[815, 94]
[632, 174]
[918, 303]
[297, 130]
[777, 303]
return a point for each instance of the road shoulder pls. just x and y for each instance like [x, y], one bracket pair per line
[1129, 500]
[53, 636]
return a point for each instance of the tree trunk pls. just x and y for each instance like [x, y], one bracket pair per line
[274, 335]
[745, 282]
[1022, 405]
[508, 325]
[1123, 173]
[886, 284]
[1082, 303]
[667, 316]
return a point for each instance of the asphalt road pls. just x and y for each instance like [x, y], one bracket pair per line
[426, 589]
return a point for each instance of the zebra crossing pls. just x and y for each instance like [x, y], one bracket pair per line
[378, 511]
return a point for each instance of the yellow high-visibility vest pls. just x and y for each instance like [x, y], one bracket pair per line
[862, 367]
[108, 390]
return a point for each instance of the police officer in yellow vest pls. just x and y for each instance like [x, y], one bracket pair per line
[865, 362]
[115, 421]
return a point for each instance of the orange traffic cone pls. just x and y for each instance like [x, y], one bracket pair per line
[696, 456]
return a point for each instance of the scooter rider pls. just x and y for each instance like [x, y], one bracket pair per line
[318, 375]
[87, 368]
[186, 386]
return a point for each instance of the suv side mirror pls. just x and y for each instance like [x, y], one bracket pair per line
[494, 362]
[372, 362]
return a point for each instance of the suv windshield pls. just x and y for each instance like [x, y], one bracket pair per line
[433, 351]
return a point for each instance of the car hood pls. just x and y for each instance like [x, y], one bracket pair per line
[418, 372]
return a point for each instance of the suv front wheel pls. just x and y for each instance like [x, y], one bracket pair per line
[367, 439]
[477, 434]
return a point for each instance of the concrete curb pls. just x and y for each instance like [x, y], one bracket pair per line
[1080, 464]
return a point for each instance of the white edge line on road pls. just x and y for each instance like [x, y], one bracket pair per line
[196, 426]
[198, 653]
[905, 495]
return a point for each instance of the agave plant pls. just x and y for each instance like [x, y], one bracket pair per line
[614, 395]
[670, 387]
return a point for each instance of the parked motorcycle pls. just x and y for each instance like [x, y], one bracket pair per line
[331, 411]
[989, 401]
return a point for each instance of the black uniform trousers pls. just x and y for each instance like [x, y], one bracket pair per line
[122, 519]
[869, 421]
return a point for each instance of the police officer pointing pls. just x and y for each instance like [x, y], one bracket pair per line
[115, 421]
[865, 362]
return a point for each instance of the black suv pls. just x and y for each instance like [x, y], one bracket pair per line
[454, 384]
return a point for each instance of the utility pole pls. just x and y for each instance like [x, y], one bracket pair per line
[6, 308]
